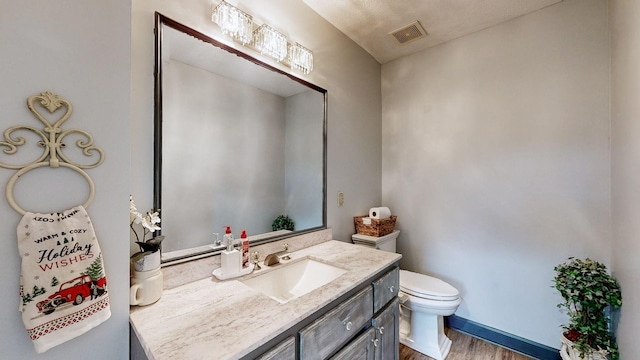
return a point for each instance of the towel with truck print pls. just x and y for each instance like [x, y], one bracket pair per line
[63, 288]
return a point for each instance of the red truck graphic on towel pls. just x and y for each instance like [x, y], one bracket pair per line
[75, 291]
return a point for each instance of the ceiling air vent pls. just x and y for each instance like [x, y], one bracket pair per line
[411, 32]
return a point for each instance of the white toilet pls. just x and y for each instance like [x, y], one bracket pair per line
[424, 301]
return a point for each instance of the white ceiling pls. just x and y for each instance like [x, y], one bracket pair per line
[369, 22]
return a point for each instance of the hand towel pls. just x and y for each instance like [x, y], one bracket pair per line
[63, 288]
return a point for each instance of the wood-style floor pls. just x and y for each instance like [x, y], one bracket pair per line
[465, 347]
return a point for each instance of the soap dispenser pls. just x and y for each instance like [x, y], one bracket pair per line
[245, 249]
[228, 237]
[230, 259]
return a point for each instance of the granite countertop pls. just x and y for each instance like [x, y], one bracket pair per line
[230, 319]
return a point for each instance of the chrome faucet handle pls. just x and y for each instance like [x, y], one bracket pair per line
[286, 256]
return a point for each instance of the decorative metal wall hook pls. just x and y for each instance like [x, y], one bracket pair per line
[52, 137]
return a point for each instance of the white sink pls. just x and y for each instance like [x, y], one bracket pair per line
[289, 281]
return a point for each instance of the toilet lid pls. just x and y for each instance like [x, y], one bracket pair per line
[426, 287]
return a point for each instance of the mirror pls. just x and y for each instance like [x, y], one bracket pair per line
[237, 142]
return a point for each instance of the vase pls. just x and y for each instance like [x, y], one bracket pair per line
[569, 352]
[146, 261]
[146, 287]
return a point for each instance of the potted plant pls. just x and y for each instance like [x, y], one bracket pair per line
[590, 294]
[283, 222]
[148, 258]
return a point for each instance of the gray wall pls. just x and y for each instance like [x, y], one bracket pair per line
[496, 161]
[625, 154]
[351, 76]
[80, 50]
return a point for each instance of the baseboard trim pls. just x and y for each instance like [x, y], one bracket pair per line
[501, 338]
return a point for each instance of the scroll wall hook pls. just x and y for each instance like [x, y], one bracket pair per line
[52, 137]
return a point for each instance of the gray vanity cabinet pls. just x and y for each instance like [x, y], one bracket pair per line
[372, 314]
[361, 348]
[361, 325]
[327, 334]
[286, 350]
[387, 334]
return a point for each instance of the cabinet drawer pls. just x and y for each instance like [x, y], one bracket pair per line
[327, 334]
[286, 350]
[359, 349]
[385, 289]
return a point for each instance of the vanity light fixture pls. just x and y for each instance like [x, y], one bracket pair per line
[270, 42]
[300, 58]
[240, 26]
[233, 22]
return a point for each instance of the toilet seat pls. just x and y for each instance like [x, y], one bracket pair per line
[432, 307]
[427, 287]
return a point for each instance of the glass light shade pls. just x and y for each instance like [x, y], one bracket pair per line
[300, 58]
[270, 42]
[233, 22]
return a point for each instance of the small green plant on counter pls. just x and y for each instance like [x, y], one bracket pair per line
[283, 222]
[588, 290]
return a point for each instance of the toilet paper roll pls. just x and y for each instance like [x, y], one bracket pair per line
[379, 213]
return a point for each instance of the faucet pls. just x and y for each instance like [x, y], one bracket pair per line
[275, 258]
[271, 259]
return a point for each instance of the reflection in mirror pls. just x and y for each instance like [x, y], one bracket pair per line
[237, 142]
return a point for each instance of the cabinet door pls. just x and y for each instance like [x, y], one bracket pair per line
[334, 329]
[385, 289]
[286, 350]
[387, 335]
[359, 349]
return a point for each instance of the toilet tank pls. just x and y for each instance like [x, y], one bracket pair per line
[385, 243]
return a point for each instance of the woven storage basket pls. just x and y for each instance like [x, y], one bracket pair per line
[377, 228]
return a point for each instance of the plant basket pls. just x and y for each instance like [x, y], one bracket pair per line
[568, 352]
[376, 227]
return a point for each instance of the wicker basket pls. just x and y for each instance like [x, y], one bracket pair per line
[377, 228]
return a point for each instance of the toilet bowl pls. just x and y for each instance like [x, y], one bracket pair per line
[424, 301]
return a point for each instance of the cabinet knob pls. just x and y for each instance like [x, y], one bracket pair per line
[391, 288]
[348, 325]
[376, 342]
[381, 330]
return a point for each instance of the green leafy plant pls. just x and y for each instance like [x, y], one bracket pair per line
[283, 222]
[589, 292]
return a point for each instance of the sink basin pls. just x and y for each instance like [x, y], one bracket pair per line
[289, 281]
